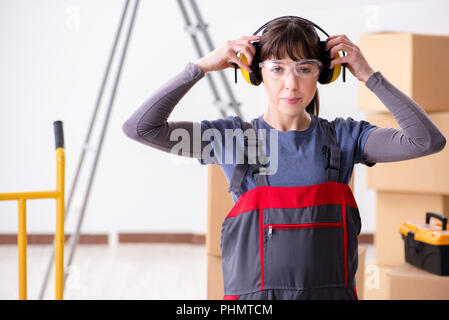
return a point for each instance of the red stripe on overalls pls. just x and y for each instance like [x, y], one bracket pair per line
[355, 292]
[293, 197]
[345, 244]
[225, 297]
[261, 249]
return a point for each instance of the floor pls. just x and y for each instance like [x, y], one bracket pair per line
[123, 271]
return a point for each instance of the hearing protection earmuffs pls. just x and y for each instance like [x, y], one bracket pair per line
[327, 75]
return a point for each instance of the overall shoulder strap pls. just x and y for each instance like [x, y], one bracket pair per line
[331, 151]
[241, 169]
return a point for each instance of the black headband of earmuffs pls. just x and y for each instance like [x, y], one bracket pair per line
[327, 75]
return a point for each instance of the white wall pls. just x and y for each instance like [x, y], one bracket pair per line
[52, 58]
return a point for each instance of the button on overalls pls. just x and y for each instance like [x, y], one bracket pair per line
[291, 242]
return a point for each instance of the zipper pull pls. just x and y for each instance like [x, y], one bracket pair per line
[270, 231]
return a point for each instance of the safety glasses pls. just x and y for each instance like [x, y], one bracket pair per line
[303, 69]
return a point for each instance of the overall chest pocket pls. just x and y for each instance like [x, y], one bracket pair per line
[304, 247]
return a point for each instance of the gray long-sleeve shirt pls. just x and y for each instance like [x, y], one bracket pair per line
[360, 141]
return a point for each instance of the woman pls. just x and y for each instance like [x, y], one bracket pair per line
[292, 233]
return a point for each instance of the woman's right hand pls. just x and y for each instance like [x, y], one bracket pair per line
[223, 56]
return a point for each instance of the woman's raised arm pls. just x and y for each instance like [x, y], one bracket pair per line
[418, 135]
[149, 125]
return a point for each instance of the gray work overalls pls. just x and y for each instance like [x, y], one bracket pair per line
[291, 242]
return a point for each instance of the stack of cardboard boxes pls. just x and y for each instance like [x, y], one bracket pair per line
[219, 204]
[417, 65]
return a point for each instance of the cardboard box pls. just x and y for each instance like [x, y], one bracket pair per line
[219, 204]
[427, 174]
[215, 289]
[412, 63]
[394, 208]
[376, 284]
[360, 274]
[407, 282]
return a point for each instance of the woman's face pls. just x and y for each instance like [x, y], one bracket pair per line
[289, 86]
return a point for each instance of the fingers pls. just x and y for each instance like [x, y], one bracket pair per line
[336, 43]
[336, 61]
[246, 44]
[335, 39]
[243, 46]
[247, 51]
[240, 63]
[335, 49]
[233, 57]
[340, 47]
[236, 48]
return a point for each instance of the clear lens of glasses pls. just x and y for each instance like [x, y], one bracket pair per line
[304, 69]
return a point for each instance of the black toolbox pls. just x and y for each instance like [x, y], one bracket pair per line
[427, 244]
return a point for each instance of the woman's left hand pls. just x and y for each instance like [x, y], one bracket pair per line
[353, 60]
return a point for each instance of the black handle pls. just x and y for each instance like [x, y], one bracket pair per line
[440, 217]
[235, 71]
[59, 134]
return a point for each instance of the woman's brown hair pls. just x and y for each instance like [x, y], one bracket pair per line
[295, 37]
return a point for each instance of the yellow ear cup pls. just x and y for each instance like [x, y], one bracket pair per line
[244, 72]
[337, 69]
